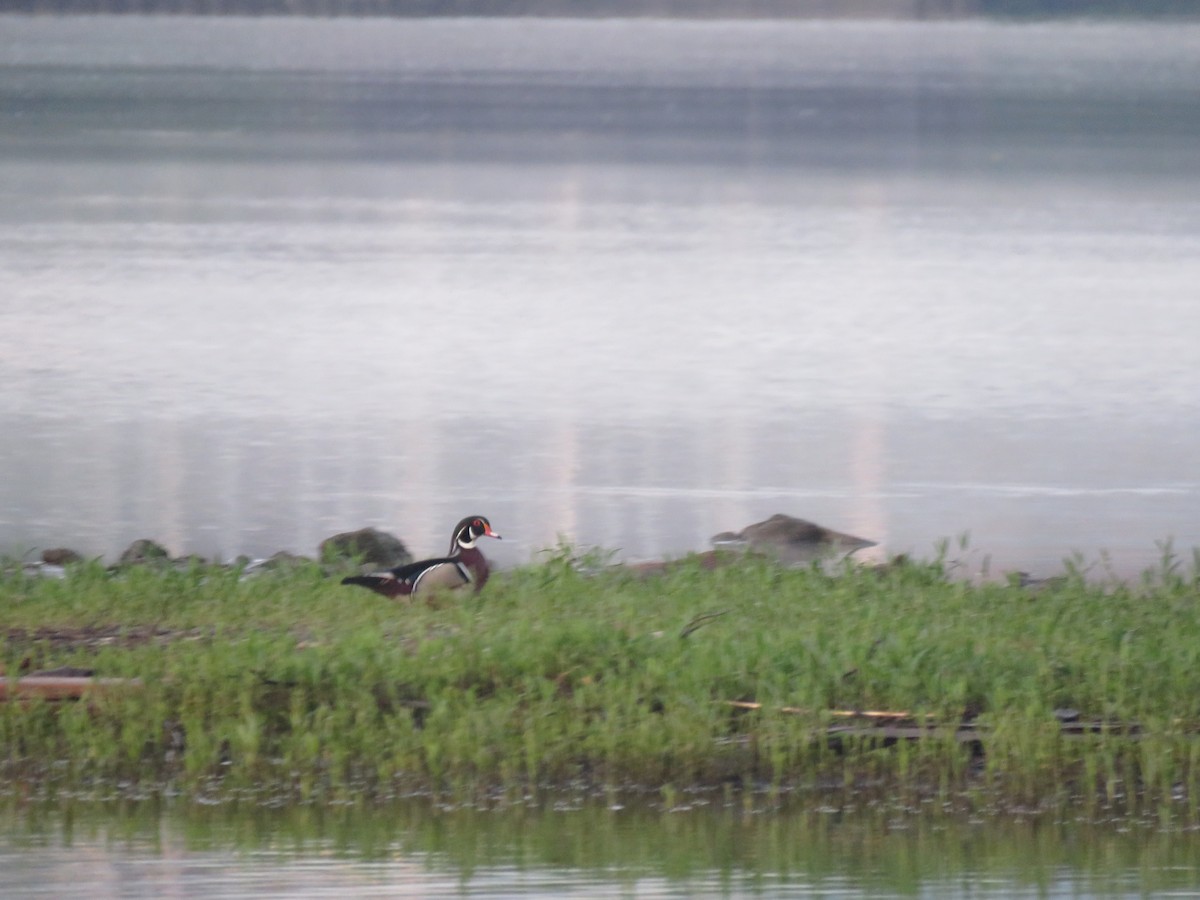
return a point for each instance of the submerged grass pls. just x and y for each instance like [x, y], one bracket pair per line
[291, 684]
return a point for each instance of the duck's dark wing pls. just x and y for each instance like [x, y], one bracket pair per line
[404, 580]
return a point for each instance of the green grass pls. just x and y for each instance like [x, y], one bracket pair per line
[288, 685]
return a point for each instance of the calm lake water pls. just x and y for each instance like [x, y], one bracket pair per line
[627, 282]
[420, 850]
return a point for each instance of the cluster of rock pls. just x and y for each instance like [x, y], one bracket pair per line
[788, 540]
[368, 547]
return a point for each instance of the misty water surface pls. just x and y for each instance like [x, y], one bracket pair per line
[626, 282]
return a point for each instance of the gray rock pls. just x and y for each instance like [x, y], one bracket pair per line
[285, 560]
[1037, 585]
[183, 563]
[61, 556]
[792, 541]
[371, 546]
[143, 551]
[278, 562]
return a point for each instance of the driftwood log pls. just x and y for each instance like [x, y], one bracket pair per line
[902, 725]
[61, 687]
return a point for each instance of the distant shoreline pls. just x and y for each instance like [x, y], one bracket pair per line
[919, 10]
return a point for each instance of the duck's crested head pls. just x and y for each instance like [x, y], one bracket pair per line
[471, 529]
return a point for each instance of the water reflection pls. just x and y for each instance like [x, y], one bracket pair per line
[1029, 496]
[586, 850]
[630, 282]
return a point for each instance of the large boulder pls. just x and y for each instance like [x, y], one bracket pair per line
[61, 556]
[371, 546]
[792, 541]
[143, 551]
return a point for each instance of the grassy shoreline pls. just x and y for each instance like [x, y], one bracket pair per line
[291, 686]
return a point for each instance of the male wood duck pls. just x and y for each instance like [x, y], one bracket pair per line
[464, 564]
[790, 540]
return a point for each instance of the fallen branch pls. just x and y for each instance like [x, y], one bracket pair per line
[839, 713]
[701, 620]
[903, 725]
[61, 687]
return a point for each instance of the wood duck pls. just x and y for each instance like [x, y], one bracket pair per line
[790, 540]
[464, 564]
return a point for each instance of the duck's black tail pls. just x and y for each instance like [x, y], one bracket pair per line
[380, 584]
